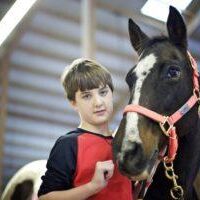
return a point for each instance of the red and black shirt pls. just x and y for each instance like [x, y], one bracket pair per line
[72, 163]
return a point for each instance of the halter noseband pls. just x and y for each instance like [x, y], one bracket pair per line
[167, 122]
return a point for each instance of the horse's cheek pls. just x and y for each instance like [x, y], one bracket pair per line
[149, 140]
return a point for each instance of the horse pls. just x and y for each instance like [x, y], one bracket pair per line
[25, 183]
[157, 144]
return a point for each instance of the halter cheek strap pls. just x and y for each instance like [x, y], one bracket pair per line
[167, 122]
[195, 72]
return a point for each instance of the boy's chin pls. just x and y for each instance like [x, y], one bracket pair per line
[101, 120]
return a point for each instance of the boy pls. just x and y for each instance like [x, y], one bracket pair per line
[80, 164]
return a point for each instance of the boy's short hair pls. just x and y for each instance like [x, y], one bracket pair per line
[84, 74]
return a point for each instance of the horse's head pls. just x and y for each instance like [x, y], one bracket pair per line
[161, 81]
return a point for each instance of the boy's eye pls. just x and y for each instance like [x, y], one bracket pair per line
[103, 92]
[86, 96]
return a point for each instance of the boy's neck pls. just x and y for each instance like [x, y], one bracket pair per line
[101, 129]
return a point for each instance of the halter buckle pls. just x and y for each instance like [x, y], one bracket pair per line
[166, 126]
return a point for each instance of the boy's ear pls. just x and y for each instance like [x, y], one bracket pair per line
[73, 104]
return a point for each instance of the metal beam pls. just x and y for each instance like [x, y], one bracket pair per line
[3, 110]
[88, 28]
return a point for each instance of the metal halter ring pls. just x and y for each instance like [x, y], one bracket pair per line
[168, 165]
[166, 126]
[177, 192]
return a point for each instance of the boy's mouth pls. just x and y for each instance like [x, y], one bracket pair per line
[100, 112]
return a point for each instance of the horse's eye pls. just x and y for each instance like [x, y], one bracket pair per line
[173, 72]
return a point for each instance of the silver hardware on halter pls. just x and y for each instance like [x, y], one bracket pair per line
[166, 129]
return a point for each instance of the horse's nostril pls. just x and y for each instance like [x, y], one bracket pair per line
[135, 148]
[131, 161]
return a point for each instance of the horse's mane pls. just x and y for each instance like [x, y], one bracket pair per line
[156, 39]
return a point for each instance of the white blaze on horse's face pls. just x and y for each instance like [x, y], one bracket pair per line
[141, 71]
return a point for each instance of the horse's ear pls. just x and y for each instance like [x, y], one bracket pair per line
[176, 28]
[137, 37]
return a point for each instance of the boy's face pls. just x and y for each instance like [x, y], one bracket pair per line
[94, 106]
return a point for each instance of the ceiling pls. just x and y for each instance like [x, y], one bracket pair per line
[131, 8]
[4, 6]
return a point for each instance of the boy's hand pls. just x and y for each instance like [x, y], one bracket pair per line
[103, 172]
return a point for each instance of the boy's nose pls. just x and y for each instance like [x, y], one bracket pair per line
[97, 101]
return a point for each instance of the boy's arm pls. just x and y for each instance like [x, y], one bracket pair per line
[61, 166]
[78, 193]
[103, 172]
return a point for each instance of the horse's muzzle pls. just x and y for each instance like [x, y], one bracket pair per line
[132, 162]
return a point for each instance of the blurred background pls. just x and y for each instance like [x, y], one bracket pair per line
[34, 112]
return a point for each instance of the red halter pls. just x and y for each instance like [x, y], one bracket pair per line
[167, 122]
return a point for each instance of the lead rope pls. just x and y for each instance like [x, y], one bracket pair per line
[176, 191]
[141, 187]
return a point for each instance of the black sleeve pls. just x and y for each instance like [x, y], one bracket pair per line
[61, 165]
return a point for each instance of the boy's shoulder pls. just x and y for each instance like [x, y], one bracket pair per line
[68, 140]
[69, 136]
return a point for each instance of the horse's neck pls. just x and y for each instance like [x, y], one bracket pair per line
[187, 161]
[186, 166]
